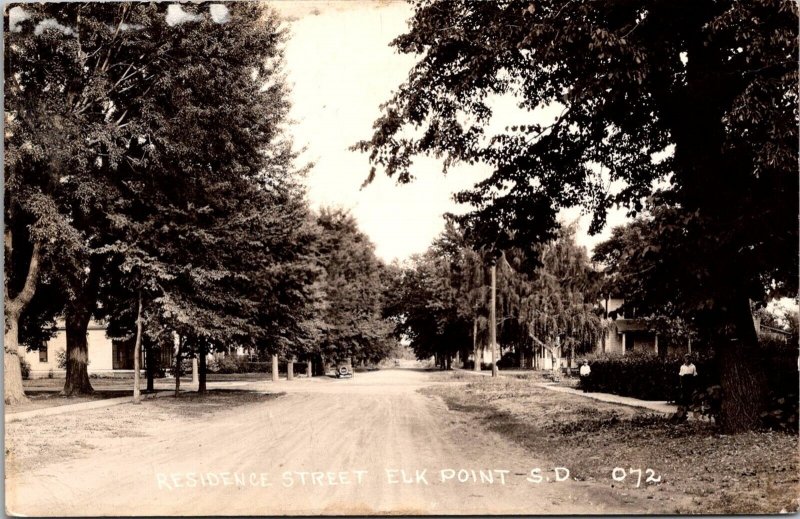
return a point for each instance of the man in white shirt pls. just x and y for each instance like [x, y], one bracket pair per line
[585, 372]
[687, 375]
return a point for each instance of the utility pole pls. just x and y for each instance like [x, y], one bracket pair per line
[137, 352]
[493, 319]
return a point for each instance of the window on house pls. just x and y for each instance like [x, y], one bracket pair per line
[43, 353]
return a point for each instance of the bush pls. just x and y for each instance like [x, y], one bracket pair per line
[509, 360]
[25, 367]
[212, 365]
[781, 412]
[61, 359]
[229, 365]
[649, 377]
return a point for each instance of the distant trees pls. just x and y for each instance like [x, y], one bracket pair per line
[560, 307]
[441, 301]
[351, 324]
[425, 307]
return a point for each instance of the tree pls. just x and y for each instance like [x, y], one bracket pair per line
[199, 238]
[556, 301]
[696, 102]
[353, 289]
[77, 75]
[470, 278]
[426, 310]
[219, 242]
[42, 141]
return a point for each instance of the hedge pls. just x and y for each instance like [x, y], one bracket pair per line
[649, 377]
[646, 376]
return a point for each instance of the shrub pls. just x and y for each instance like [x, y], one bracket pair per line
[186, 367]
[508, 360]
[645, 375]
[649, 377]
[212, 365]
[257, 367]
[25, 367]
[61, 359]
[781, 412]
[229, 364]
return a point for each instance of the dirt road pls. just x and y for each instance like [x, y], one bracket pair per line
[326, 447]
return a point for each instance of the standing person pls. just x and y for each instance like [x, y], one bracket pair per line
[585, 373]
[687, 375]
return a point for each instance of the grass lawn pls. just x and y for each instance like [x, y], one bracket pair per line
[749, 473]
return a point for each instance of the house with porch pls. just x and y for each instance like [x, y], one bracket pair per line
[627, 333]
[107, 356]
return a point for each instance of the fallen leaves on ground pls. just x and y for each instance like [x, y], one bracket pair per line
[755, 472]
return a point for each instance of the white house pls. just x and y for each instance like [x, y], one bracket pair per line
[106, 356]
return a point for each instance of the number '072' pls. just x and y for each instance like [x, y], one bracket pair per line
[620, 474]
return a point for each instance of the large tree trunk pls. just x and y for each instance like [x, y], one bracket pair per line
[137, 354]
[274, 368]
[13, 391]
[290, 369]
[12, 369]
[76, 319]
[742, 374]
[77, 380]
[310, 367]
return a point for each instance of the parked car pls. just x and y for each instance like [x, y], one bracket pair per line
[344, 371]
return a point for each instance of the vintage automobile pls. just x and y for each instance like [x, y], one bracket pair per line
[344, 371]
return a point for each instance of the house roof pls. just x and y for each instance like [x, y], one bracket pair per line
[631, 325]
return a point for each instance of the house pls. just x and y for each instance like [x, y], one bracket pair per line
[107, 356]
[625, 334]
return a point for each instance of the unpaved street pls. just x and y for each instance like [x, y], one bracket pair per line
[326, 447]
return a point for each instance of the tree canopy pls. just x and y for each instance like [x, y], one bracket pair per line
[352, 324]
[147, 148]
[687, 105]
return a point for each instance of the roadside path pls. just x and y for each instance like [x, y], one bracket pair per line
[657, 406]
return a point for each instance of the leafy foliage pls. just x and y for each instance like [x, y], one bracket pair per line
[181, 183]
[351, 324]
[691, 109]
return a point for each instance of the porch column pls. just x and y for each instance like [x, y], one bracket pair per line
[623, 343]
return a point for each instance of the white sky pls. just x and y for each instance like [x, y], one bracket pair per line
[340, 69]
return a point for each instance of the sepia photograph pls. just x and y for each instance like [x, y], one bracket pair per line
[401, 257]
